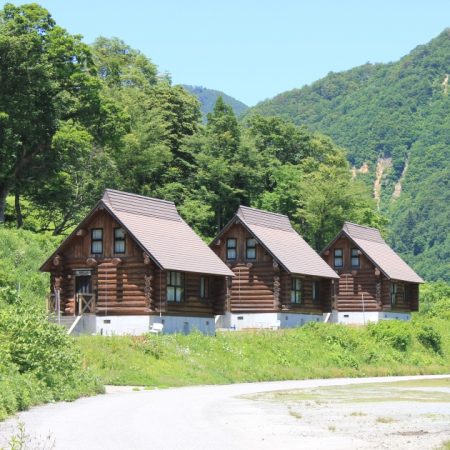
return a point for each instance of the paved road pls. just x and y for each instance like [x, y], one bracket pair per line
[202, 417]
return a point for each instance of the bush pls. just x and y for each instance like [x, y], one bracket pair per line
[435, 300]
[430, 338]
[392, 332]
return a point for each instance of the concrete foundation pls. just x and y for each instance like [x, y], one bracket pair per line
[137, 325]
[360, 318]
[274, 321]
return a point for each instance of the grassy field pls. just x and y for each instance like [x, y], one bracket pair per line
[317, 351]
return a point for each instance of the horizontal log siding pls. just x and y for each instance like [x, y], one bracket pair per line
[192, 303]
[253, 288]
[356, 285]
[362, 284]
[307, 305]
[131, 286]
[407, 298]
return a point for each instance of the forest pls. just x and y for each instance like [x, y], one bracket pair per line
[399, 114]
[77, 118]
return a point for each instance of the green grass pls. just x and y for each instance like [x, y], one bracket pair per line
[384, 419]
[317, 351]
[364, 393]
[445, 446]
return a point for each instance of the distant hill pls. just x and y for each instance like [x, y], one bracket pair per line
[394, 119]
[208, 99]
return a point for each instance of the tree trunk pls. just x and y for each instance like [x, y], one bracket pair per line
[19, 216]
[4, 191]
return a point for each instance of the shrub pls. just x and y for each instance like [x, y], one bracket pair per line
[430, 338]
[392, 332]
[435, 300]
[39, 362]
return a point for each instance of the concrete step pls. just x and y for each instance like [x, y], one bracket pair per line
[64, 321]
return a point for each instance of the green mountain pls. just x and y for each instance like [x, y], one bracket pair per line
[394, 121]
[208, 98]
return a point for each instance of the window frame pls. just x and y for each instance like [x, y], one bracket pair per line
[341, 257]
[394, 290]
[316, 291]
[296, 291]
[228, 248]
[204, 288]
[355, 254]
[177, 288]
[116, 240]
[247, 248]
[96, 240]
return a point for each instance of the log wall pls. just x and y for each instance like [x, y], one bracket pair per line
[261, 285]
[366, 287]
[129, 283]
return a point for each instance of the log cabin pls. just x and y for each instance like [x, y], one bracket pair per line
[280, 281]
[131, 263]
[375, 283]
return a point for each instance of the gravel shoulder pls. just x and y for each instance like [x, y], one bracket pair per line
[239, 416]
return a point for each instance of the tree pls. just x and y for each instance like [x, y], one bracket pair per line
[119, 65]
[313, 186]
[46, 79]
[226, 169]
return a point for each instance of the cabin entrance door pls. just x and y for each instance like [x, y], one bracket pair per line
[84, 298]
[83, 284]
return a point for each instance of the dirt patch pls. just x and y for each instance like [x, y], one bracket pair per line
[401, 415]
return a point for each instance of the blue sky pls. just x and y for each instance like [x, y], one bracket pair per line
[254, 50]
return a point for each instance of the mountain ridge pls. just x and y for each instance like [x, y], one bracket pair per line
[208, 98]
[399, 111]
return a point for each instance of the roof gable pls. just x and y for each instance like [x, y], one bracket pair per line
[370, 241]
[275, 233]
[158, 229]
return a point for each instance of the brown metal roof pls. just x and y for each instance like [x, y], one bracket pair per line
[170, 241]
[159, 230]
[275, 233]
[369, 240]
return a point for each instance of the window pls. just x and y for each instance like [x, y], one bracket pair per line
[401, 292]
[393, 294]
[97, 241]
[338, 257]
[315, 291]
[231, 249]
[250, 249]
[119, 240]
[175, 287]
[355, 258]
[204, 288]
[296, 291]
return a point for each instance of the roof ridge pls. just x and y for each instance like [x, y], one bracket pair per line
[361, 226]
[249, 224]
[107, 190]
[263, 211]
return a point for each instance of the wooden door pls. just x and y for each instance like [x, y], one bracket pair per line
[83, 284]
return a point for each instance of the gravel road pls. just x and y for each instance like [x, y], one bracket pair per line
[210, 417]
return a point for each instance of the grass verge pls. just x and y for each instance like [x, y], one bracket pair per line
[314, 351]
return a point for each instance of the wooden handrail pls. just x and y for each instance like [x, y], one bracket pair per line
[86, 303]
